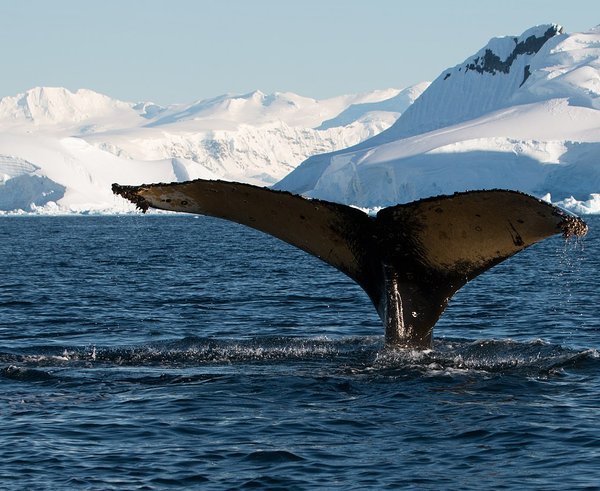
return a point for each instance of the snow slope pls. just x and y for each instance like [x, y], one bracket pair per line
[76, 176]
[522, 113]
[395, 105]
[60, 151]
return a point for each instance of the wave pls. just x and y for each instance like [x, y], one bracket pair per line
[487, 356]
[193, 350]
[13, 372]
[355, 355]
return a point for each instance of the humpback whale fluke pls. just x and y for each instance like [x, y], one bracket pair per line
[410, 258]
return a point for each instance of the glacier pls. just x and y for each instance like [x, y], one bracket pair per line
[60, 151]
[522, 113]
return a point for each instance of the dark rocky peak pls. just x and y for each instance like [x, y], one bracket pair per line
[490, 62]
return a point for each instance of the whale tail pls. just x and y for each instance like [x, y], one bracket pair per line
[410, 258]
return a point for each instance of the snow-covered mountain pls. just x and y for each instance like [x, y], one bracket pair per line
[61, 150]
[55, 109]
[522, 113]
[255, 137]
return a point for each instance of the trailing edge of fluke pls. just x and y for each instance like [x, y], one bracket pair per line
[410, 258]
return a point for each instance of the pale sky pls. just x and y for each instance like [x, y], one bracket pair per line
[176, 51]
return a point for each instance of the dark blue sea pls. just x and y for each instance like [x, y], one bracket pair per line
[164, 352]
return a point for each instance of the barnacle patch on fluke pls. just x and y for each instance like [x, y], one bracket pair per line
[132, 194]
[573, 226]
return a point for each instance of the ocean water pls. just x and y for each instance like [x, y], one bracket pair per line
[153, 352]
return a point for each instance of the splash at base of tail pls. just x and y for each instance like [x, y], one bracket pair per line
[410, 259]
